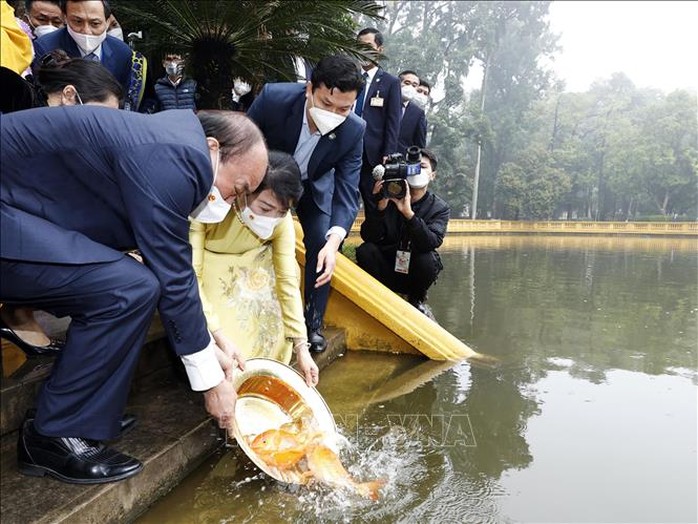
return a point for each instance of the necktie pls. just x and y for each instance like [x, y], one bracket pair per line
[92, 57]
[359, 107]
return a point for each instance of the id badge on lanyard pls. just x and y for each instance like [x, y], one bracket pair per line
[402, 261]
[377, 101]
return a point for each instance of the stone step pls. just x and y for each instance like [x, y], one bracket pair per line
[173, 436]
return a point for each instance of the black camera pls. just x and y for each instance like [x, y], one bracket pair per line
[395, 171]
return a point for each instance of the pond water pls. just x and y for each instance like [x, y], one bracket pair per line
[590, 415]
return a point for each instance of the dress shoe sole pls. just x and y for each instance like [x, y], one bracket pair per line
[32, 470]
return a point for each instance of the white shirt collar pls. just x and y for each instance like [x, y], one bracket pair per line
[306, 125]
[371, 74]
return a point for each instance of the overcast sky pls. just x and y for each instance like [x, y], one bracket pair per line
[655, 43]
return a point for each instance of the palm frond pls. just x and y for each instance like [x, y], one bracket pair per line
[255, 40]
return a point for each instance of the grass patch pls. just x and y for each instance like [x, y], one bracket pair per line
[349, 251]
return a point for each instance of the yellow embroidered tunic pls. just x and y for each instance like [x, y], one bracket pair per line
[250, 287]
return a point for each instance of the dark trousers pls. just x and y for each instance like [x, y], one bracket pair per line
[366, 183]
[379, 263]
[111, 305]
[315, 224]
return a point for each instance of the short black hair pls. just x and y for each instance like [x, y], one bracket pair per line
[105, 3]
[425, 84]
[29, 3]
[338, 71]
[92, 81]
[409, 72]
[431, 156]
[283, 178]
[377, 35]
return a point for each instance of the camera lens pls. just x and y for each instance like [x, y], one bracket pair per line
[414, 155]
[396, 188]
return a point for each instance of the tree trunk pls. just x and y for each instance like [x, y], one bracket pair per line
[476, 181]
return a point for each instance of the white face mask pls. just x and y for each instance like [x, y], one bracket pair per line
[418, 181]
[408, 93]
[41, 30]
[174, 68]
[117, 32]
[261, 225]
[241, 87]
[87, 43]
[326, 121]
[213, 209]
[421, 100]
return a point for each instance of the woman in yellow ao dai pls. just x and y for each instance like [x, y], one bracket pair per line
[248, 276]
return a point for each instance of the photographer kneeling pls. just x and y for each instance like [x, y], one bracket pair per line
[400, 240]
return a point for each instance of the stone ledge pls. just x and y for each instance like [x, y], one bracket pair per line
[173, 436]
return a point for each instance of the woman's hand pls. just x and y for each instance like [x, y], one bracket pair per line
[230, 355]
[306, 364]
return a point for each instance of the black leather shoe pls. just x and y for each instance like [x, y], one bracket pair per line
[54, 346]
[71, 459]
[318, 344]
[128, 421]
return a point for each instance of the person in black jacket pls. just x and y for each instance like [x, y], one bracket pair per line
[174, 91]
[401, 239]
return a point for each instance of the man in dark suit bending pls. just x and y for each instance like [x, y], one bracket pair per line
[80, 186]
[315, 124]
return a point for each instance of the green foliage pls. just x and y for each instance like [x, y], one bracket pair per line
[257, 41]
[349, 251]
[530, 189]
[614, 152]
[442, 41]
[628, 150]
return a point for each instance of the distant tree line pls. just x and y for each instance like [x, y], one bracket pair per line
[615, 152]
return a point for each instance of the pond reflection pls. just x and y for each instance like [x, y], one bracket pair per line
[591, 415]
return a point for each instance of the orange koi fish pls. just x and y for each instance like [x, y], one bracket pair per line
[285, 447]
[324, 466]
[281, 448]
